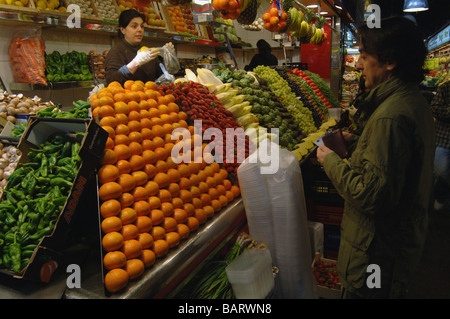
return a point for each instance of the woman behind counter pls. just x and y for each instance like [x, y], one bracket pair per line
[264, 57]
[124, 61]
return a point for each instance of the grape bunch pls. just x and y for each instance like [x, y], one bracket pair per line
[301, 114]
[298, 92]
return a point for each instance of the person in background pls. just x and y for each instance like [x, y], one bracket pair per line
[387, 181]
[440, 106]
[263, 57]
[124, 61]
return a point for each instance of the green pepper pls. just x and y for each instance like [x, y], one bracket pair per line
[24, 262]
[27, 253]
[10, 220]
[61, 182]
[39, 234]
[75, 150]
[9, 237]
[15, 254]
[14, 178]
[29, 247]
[6, 261]
[44, 168]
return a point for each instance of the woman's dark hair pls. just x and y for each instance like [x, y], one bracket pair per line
[399, 41]
[263, 46]
[126, 16]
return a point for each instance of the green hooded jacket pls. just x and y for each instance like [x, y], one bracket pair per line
[387, 188]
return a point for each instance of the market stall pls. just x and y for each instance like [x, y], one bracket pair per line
[107, 159]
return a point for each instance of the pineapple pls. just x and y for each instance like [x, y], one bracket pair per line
[249, 14]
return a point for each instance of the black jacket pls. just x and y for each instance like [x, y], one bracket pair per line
[265, 59]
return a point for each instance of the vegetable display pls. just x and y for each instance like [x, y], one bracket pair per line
[79, 111]
[34, 197]
[211, 282]
[70, 66]
[263, 104]
[301, 115]
[200, 104]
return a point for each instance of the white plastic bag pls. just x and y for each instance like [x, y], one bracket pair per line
[170, 58]
[276, 213]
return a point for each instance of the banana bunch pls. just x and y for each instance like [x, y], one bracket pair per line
[244, 4]
[317, 38]
[295, 18]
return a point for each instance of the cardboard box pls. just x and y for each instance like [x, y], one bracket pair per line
[323, 291]
[48, 254]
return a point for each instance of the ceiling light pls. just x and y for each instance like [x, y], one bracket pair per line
[415, 5]
[338, 7]
[312, 6]
[323, 12]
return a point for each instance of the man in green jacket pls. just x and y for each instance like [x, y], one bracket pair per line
[388, 179]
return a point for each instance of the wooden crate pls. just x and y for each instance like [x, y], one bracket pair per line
[323, 291]
[113, 3]
[164, 14]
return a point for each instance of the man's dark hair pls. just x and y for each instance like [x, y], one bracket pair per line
[263, 46]
[126, 16]
[398, 40]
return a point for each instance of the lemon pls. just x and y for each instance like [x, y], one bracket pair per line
[18, 3]
[41, 4]
[9, 2]
[2, 1]
[143, 48]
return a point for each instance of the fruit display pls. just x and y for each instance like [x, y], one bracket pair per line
[301, 25]
[124, 5]
[259, 105]
[39, 189]
[182, 21]
[326, 274]
[275, 18]
[21, 3]
[51, 5]
[229, 9]
[301, 115]
[189, 19]
[85, 6]
[106, 9]
[152, 17]
[12, 105]
[319, 87]
[200, 104]
[149, 204]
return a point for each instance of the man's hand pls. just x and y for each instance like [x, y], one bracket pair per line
[322, 152]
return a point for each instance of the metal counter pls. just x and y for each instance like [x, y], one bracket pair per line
[167, 273]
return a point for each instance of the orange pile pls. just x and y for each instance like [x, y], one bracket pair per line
[178, 21]
[275, 20]
[148, 202]
[229, 9]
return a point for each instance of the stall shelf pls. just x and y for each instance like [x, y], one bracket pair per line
[165, 275]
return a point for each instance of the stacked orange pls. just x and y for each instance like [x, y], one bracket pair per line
[148, 202]
[229, 9]
[177, 19]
